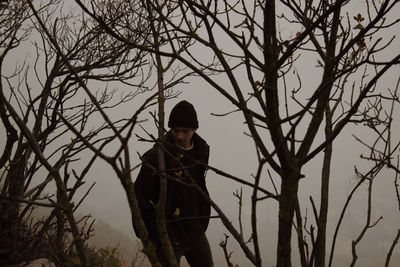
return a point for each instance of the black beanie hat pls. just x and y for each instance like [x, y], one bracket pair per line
[183, 115]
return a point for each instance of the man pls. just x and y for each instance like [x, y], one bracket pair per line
[187, 211]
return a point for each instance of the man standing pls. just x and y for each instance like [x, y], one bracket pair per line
[187, 211]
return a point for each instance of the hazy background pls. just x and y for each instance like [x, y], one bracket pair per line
[233, 152]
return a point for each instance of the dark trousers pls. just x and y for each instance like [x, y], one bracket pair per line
[197, 252]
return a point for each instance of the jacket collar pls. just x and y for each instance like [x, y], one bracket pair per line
[201, 146]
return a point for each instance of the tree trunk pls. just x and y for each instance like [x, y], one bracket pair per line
[287, 205]
[165, 243]
[320, 244]
[10, 224]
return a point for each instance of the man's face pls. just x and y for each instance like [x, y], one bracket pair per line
[183, 136]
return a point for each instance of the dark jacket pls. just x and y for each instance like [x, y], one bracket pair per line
[184, 203]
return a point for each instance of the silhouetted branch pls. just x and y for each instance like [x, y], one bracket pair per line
[390, 252]
[223, 244]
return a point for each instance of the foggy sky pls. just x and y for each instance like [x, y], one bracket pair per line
[234, 152]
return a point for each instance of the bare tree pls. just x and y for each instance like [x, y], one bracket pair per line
[261, 74]
[383, 152]
[168, 75]
[41, 98]
[243, 37]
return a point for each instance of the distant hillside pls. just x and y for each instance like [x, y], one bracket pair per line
[107, 236]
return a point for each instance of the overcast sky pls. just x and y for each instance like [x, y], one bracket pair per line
[233, 152]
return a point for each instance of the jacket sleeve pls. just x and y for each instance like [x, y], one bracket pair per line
[146, 190]
[205, 207]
